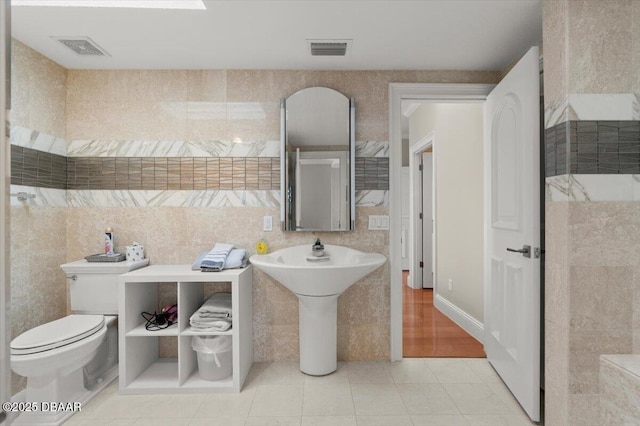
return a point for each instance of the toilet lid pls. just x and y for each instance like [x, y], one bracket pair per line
[55, 334]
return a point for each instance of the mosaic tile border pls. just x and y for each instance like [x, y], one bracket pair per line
[593, 147]
[173, 173]
[36, 168]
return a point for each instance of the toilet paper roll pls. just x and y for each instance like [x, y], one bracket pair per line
[135, 253]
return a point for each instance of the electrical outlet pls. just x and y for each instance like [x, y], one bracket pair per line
[267, 223]
[450, 284]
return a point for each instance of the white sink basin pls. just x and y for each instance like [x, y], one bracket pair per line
[344, 267]
[318, 282]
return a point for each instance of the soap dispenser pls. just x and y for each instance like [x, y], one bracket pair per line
[317, 248]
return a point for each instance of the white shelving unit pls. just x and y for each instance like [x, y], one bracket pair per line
[142, 371]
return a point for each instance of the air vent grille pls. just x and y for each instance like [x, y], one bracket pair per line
[82, 46]
[328, 49]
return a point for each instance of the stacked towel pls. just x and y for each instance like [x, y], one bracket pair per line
[214, 314]
[237, 258]
[214, 261]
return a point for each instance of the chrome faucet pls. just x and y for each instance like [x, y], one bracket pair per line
[317, 248]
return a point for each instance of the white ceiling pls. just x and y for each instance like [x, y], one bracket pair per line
[449, 34]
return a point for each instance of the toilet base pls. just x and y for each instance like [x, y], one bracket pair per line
[62, 391]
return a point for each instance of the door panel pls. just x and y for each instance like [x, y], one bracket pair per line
[512, 187]
[427, 219]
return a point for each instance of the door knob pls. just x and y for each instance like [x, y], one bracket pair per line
[525, 251]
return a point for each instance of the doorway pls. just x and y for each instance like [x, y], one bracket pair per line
[429, 329]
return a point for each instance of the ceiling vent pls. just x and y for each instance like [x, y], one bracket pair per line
[329, 47]
[82, 46]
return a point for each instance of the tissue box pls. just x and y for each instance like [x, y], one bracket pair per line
[135, 253]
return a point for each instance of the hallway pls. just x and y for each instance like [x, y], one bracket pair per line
[429, 333]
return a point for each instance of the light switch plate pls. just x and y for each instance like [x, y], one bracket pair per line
[379, 222]
[267, 223]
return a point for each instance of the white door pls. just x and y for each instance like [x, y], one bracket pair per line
[512, 214]
[427, 220]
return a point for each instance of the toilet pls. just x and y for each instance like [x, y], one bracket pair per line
[71, 359]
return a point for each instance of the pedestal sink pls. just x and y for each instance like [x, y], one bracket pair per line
[318, 283]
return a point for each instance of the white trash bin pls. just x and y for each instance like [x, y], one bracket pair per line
[215, 361]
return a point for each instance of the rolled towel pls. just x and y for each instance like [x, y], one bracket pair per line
[214, 261]
[236, 259]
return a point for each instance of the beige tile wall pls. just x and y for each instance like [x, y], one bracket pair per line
[591, 47]
[592, 265]
[214, 105]
[38, 234]
[592, 305]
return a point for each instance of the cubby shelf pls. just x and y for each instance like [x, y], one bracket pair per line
[142, 371]
[140, 330]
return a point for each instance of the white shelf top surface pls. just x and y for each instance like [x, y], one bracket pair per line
[169, 273]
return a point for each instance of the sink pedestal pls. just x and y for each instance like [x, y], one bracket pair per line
[318, 334]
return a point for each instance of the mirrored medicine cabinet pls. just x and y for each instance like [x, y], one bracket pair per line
[317, 155]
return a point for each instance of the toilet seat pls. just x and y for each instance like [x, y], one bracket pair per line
[55, 334]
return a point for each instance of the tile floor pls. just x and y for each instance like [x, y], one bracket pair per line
[414, 392]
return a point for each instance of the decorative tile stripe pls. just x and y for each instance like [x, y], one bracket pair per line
[154, 148]
[602, 187]
[49, 197]
[208, 148]
[173, 173]
[198, 198]
[593, 107]
[27, 138]
[173, 198]
[31, 167]
[593, 147]
[372, 173]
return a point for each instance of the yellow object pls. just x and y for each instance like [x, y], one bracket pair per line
[261, 247]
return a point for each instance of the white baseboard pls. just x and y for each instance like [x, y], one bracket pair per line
[460, 317]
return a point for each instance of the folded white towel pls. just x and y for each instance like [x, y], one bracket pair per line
[219, 304]
[220, 324]
[214, 261]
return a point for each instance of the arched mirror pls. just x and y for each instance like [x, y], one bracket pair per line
[317, 161]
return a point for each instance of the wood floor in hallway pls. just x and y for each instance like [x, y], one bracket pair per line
[427, 332]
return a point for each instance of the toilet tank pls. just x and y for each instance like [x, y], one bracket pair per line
[93, 286]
